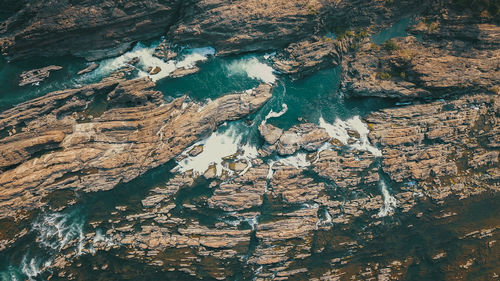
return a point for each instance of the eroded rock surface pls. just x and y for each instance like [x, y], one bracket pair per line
[36, 76]
[97, 136]
[86, 28]
[405, 68]
[446, 147]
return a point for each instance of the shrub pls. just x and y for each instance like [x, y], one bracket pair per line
[383, 75]
[390, 45]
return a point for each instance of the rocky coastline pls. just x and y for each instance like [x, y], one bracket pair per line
[312, 199]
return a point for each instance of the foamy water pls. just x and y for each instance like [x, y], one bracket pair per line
[32, 267]
[389, 201]
[338, 130]
[298, 160]
[253, 68]
[147, 59]
[56, 230]
[273, 114]
[216, 147]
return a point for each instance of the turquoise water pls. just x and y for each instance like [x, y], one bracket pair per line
[308, 99]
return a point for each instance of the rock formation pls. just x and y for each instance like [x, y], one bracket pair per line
[94, 137]
[36, 76]
[407, 68]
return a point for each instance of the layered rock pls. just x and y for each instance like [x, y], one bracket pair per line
[303, 58]
[243, 26]
[86, 28]
[271, 218]
[96, 30]
[406, 68]
[97, 136]
[301, 137]
[444, 148]
[35, 76]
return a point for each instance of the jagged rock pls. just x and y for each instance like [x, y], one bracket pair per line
[444, 143]
[347, 169]
[305, 136]
[134, 61]
[196, 150]
[155, 70]
[36, 76]
[305, 57]
[270, 133]
[407, 69]
[180, 72]
[89, 68]
[164, 51]
[57, 148]
[102, 29]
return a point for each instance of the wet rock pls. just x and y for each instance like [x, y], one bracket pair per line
[102, 29]
[180, 72]
[88, 69]
[211, 172]
[305, 136]
[196, 150]
[305, 57]
[61, 149]
[347, 169]
[155, 70]
[270, 133]
[134, 61]
[165, 51]
[408, 69]
[444, 144]
[36, 76]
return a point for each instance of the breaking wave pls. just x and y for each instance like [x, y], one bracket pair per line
[339, 130]
[253, 68]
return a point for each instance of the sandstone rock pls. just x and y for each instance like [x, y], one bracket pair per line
[165, 51]
[196, 150]
[305, 136]
[88, 69]
[102, 29]
[155, 70]
[135, 133]
[410, 69]
[440, 142]
[36, 76]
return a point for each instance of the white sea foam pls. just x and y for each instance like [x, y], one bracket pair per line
[338, 130]
[32, 267]
[252, 221]
[216, 147]
[269, 55]
[254, 69]
[270, 172]
[273, 114]
[194, 56]
[147, 59]
[298, 160]
[56, 230]
[389, 201]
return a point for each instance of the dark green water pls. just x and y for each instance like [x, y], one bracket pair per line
[308, 99]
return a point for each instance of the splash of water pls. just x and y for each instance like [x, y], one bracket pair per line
[147, 59]
[57, 230]
[273, 114]
[33, 267]
[338, 130]
[298, 160]
[216, 147]
[389, 201]
[253, 68]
